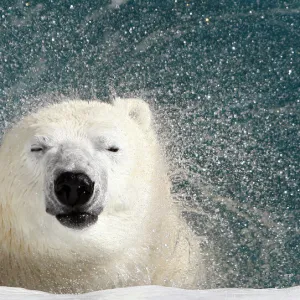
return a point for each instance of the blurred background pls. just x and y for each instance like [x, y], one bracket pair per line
[223, 77]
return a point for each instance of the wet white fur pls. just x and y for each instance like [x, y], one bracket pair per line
[139, 237]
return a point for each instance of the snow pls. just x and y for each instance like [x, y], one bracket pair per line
[162, 293]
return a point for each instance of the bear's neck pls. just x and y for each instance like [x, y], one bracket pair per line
[76, 275]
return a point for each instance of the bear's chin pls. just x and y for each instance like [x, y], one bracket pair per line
[77, 220]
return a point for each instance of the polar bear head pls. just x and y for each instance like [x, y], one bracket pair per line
[79, 173]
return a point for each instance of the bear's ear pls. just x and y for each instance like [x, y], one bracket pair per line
[135, 108]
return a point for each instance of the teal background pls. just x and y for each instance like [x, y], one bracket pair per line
[224, 76]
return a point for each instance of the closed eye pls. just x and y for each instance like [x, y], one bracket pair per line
[36, 149]
[113, 149]
[40, 144]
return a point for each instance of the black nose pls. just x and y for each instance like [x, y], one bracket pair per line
[73, 188]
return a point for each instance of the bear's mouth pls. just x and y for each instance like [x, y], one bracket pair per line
[77, 220]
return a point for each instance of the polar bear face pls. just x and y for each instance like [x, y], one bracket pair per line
[79, 172]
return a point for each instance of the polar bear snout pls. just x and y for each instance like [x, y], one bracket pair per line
[75, 199]
[73, 189]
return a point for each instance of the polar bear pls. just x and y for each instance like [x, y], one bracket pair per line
[85, 202]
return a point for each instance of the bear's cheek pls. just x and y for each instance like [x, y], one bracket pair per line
[33, 172]
[120, 169]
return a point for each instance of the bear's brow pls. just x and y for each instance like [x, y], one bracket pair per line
[41, 139]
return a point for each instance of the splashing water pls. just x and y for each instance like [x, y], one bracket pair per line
[224, 81]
